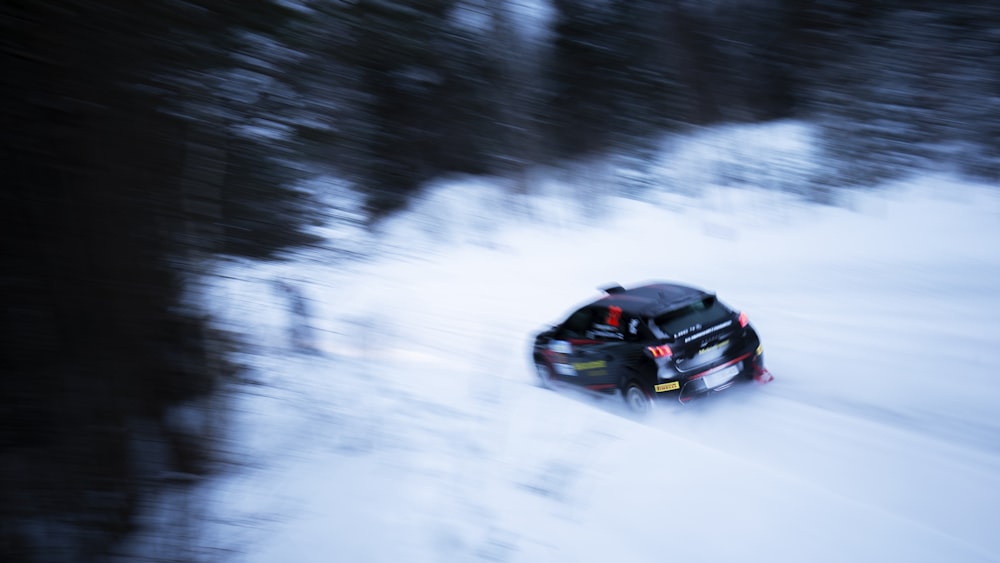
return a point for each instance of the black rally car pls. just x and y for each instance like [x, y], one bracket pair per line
[657, 341]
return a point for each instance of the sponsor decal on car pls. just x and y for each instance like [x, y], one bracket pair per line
[670, 386]
[614, 315]
[561, 347]
[594, 369]
[714, 347]
[687, 331]
[605, 331]
[557, 353]
[715, 328]
[564, 369]
[606, 335]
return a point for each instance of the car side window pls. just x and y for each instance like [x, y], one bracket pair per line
[576, 325]
[606, 324]
[632, 328]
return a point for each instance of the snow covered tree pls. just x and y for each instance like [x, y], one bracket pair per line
[899, 87]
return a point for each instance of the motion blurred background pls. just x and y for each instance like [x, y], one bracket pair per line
[143, 140]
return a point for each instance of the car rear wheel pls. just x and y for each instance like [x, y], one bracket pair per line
[544, 376]
[637, 401]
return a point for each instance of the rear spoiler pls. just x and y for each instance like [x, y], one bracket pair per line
[612, 289]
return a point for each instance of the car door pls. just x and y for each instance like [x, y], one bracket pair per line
[591, 337]
[561, 350]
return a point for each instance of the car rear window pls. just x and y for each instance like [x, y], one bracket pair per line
[700, 314]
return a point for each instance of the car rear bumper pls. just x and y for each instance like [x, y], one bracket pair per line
[744, 368]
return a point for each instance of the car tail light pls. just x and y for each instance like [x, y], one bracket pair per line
[744, 320]
[662, 351]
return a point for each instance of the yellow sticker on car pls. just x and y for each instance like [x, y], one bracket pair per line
[714, 347]
[667, 386]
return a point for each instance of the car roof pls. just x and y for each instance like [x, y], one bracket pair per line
[651, 299]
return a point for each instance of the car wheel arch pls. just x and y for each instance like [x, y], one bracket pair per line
[632, 374]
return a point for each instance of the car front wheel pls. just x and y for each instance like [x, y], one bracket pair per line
[544, 376]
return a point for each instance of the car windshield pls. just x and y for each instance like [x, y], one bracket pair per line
[693, 317]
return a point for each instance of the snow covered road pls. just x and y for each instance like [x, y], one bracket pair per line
[417, 433]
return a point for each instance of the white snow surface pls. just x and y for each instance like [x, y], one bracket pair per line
[416, 432]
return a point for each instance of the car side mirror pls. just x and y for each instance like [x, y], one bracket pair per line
[561, 347]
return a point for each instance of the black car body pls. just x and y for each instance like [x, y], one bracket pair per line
[658, 341]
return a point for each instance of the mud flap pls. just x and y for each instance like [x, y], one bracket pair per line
[762, 376]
